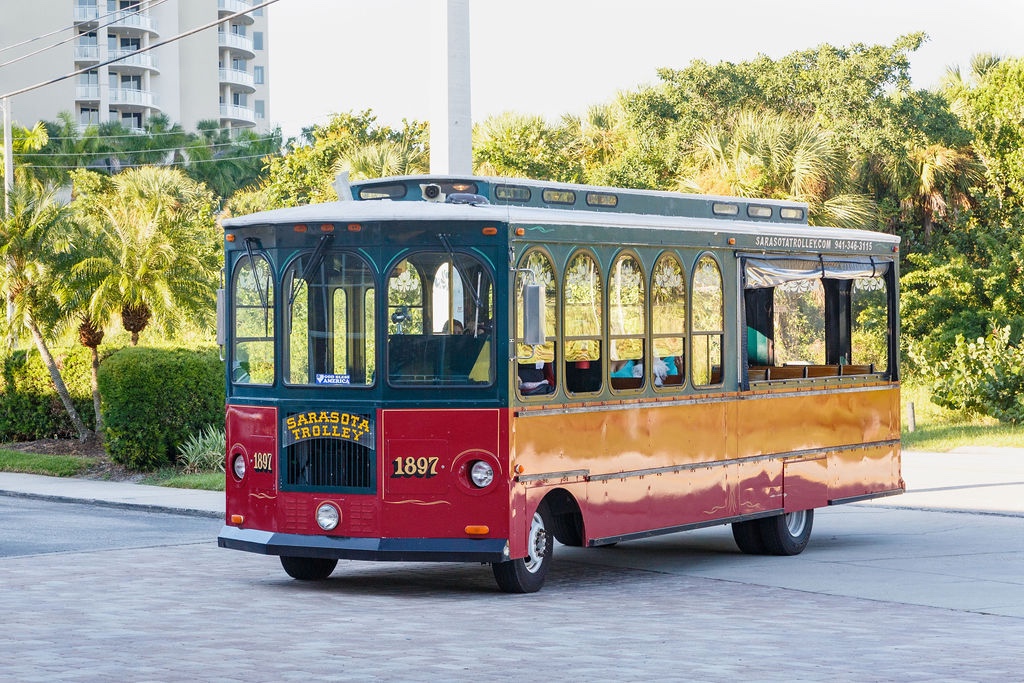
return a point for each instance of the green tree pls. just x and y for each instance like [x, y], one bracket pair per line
[758, 154]
[305, 172]
[993, 110]
[34, 236]
[153, 252]
[524, 146]
[226, 161]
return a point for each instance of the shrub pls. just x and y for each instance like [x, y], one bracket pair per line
[153, 399]
[985, 376]
[29, 406]
[203, 451]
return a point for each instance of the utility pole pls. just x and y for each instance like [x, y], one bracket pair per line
[8, 157]
[451, 126]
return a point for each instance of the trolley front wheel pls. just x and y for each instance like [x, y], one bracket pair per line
[308, 568]
[526, 574]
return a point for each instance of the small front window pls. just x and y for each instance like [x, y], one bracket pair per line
[252, 358]
[330, 320]
[440, 332]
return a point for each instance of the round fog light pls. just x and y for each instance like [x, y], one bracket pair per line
[238, 466]
[481, 474]
[327, 516]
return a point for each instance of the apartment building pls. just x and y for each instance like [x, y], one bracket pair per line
[218, 74]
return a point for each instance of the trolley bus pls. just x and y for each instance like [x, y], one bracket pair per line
[467, 369]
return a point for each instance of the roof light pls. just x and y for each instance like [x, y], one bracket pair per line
[327, 227]
[758, 211]
[490, 230]
[792, 214]
[724, 209]
[354, 227]
[229, 237]
[299, 228]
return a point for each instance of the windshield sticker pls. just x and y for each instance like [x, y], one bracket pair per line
[329, 424]
[332, 379]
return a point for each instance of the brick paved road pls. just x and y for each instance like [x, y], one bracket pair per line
[880, 595]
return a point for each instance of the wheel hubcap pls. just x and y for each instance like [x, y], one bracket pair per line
[795, 522]
[537, 544]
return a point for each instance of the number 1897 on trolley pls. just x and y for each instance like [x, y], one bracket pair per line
[467, 369]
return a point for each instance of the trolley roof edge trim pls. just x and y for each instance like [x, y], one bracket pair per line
[384, 210]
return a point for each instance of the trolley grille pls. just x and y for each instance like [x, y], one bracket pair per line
[330, 464]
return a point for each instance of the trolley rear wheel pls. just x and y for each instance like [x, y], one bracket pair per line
[308, 568]
[785, 534]
[748, 536]
[527, 574]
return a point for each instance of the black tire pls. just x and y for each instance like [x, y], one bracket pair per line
[527, 574]
[748, 537]
[308, 568]
[787, 534]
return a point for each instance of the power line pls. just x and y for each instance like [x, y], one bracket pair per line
[67, 28]
[170, 163]
[172, 39]
[121, 15]
[150, 134]
[143, 151]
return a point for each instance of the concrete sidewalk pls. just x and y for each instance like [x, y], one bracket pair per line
[986, 480]
[114, 494]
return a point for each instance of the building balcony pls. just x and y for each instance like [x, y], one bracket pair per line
[86, 14]
[241, 80]
[235, 6]
[132, 23]
[87, 53]
[237, 43]
[132, 62]
[87, 92]
[238, 115]
[127, 97]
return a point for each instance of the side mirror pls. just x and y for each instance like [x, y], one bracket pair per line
[222, 318]
[534, 323]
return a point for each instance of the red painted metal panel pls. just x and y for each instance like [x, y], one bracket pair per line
[805, 483]
[252, 433]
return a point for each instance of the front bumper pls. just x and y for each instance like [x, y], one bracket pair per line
[342, 548]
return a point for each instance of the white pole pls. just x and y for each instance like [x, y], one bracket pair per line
[8, 157]
[451, 125]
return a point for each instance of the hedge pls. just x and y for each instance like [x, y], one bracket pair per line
[154, 399]
[29, 406]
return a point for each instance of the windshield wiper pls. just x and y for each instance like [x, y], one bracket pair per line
[315, 259]
[260, 291]
[451, 255]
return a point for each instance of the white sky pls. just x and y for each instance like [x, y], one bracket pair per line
[552, 57]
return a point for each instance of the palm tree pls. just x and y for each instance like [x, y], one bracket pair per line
[933, 178]
[154, 252]
[524, 146]
[33, 238]
[226, 162]
[600, 135]
[384, 158]
[759, 154]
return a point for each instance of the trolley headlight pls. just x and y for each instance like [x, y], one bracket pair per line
[327, 516]
[238, 465]
[481, 474]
